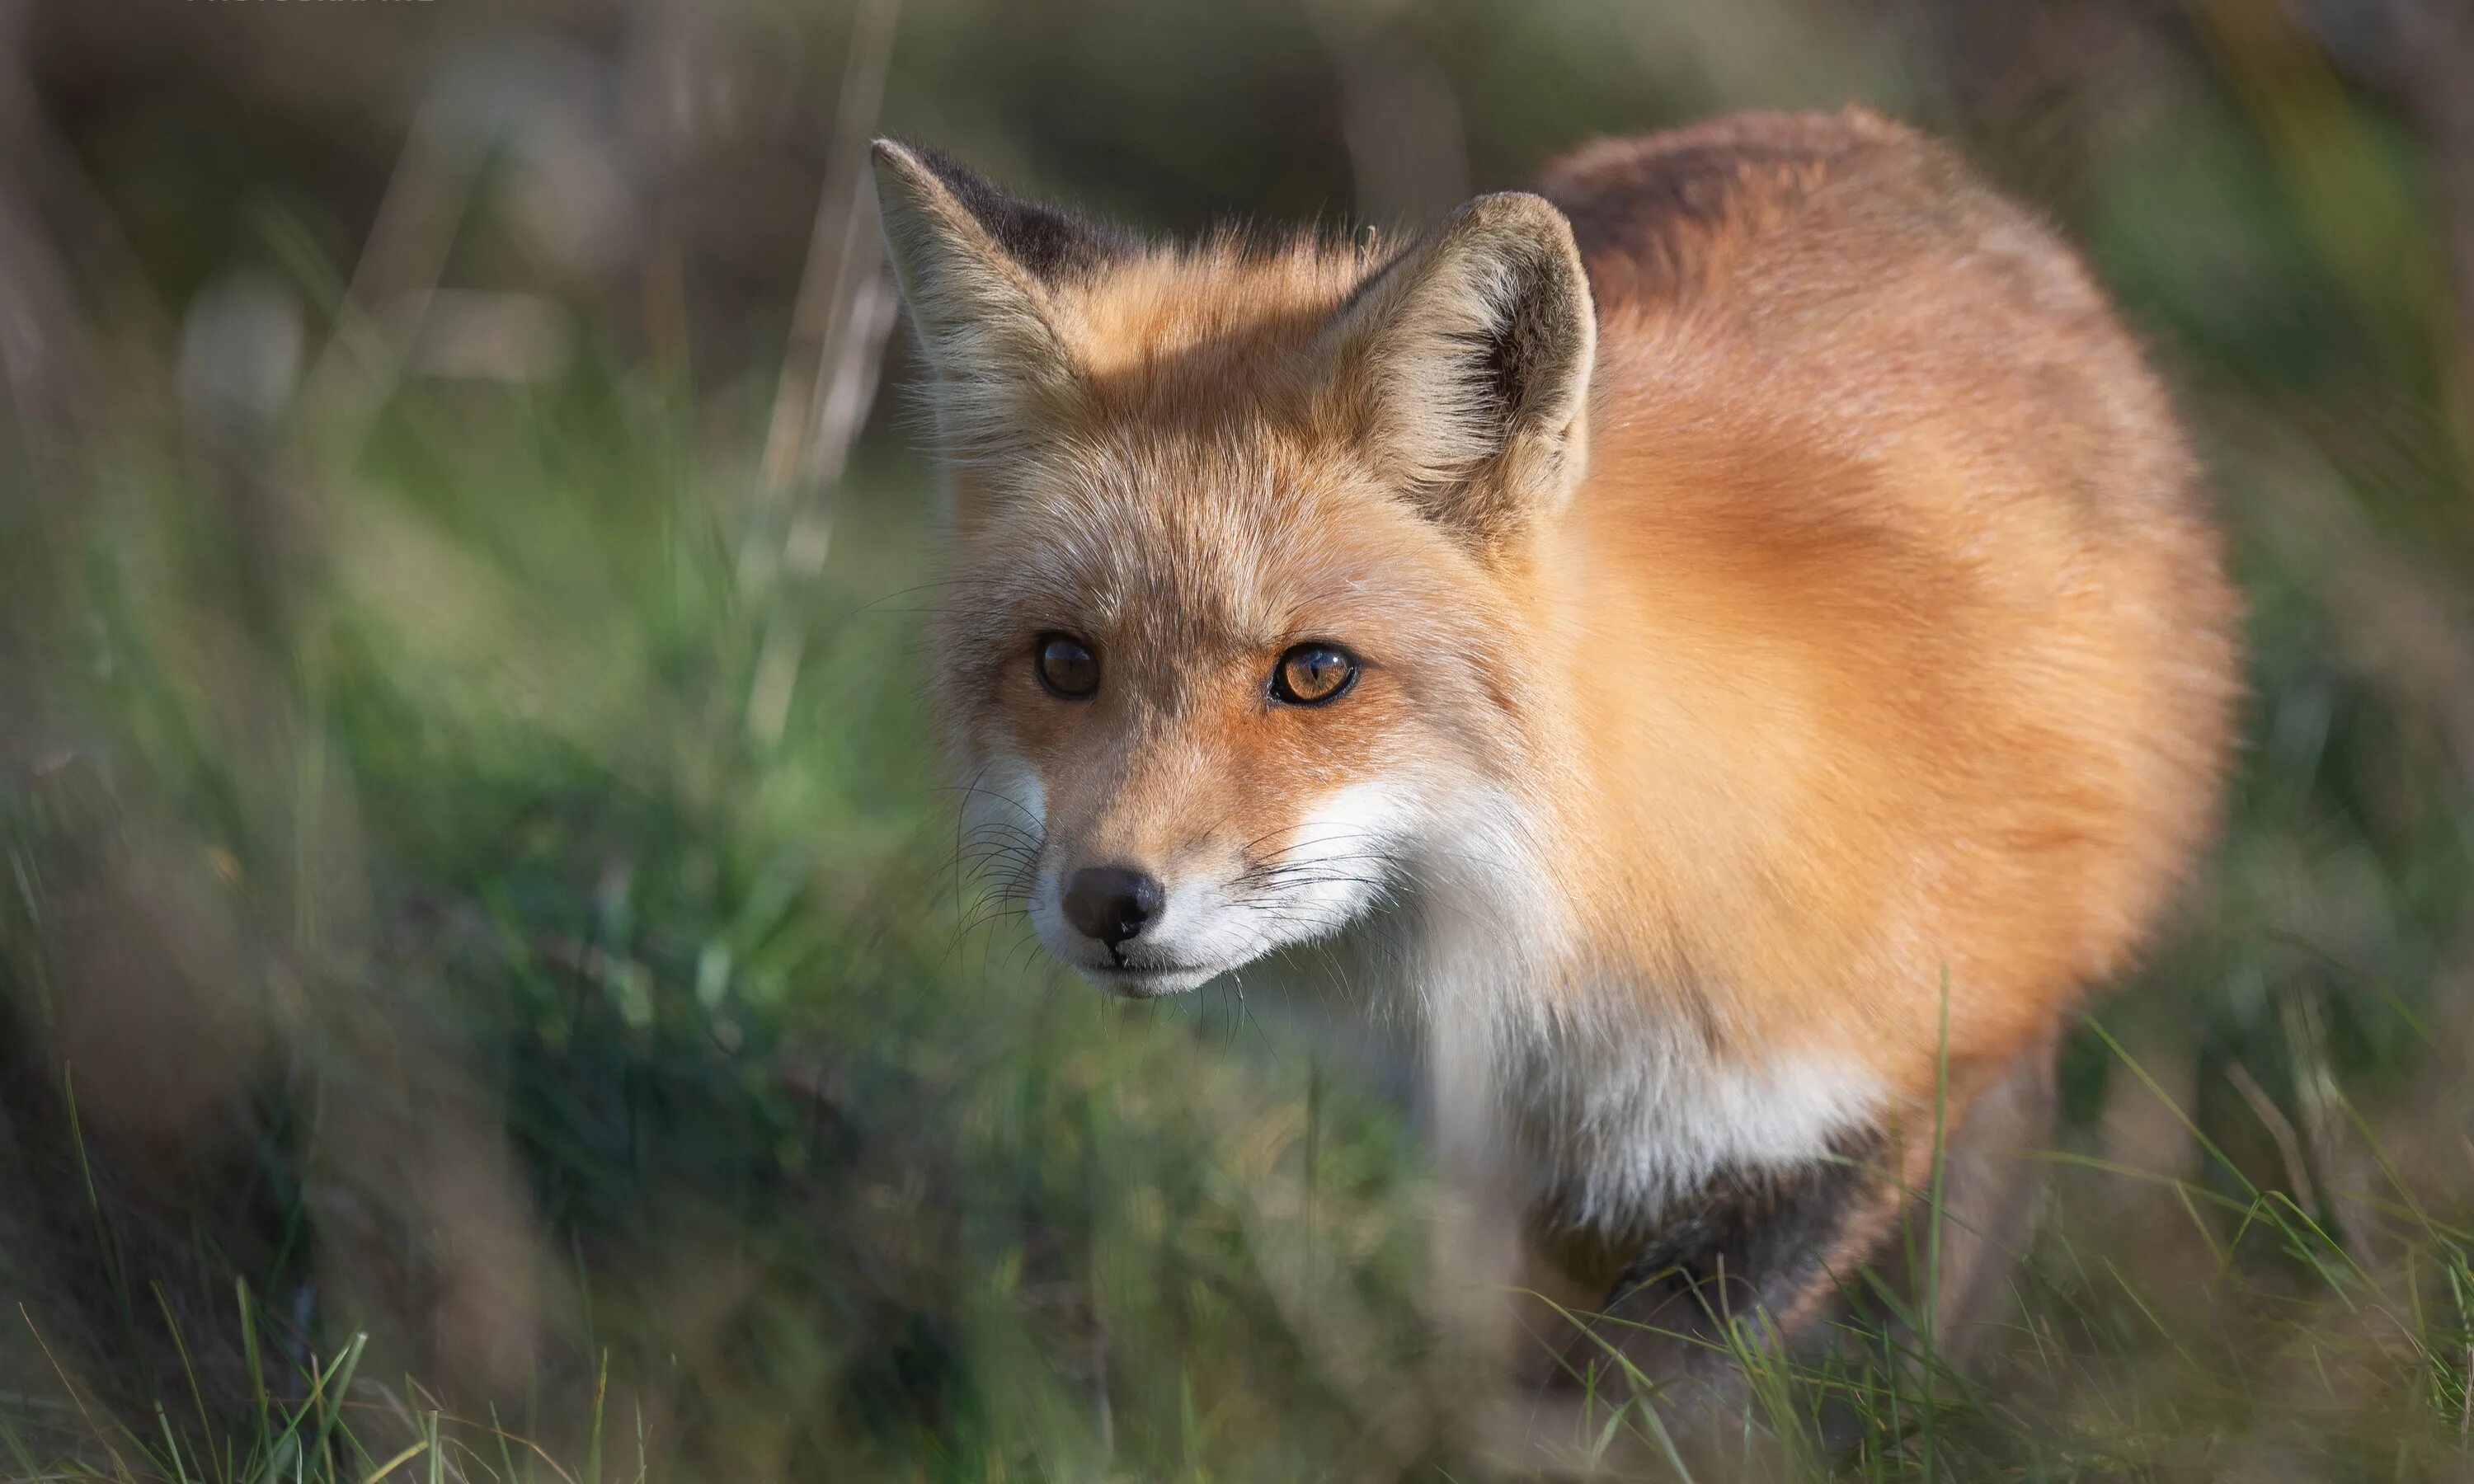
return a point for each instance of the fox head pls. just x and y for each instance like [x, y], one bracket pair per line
[1242, 641]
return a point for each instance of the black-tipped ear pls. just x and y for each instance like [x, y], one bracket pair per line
[1472, 354]
[978, 268]
[1051, 243]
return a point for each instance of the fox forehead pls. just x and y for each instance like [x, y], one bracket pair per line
[1177, 327]
[1233, 543]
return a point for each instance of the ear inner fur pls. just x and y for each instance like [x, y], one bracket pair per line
[1470, 358]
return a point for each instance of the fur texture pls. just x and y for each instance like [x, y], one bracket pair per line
[1795, 660]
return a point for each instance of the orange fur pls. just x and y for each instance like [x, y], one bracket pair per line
[1945, 655]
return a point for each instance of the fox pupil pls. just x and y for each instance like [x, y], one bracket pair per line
[1066, 666]
[1311, 674]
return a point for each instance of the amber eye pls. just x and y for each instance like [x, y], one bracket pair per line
[1312, 674]
[1066, 666]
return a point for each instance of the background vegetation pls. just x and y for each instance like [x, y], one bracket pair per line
[487, 988]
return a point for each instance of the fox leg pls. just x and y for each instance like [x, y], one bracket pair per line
[1756, 1259]
[1768, 1258]
[1989, 1183]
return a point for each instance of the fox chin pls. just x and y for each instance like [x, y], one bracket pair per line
[1730, 644]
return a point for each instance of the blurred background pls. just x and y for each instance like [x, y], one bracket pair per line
[489, 989]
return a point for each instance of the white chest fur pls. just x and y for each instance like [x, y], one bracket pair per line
[1622, 1120]
[1606, 1118]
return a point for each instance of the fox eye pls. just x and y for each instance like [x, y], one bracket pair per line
[1066, 666]
[1311, 674]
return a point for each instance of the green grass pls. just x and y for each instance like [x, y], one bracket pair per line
[473, 1024]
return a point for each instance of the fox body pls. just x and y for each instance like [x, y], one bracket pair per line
[1730, 644]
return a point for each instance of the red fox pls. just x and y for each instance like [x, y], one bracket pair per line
[1731, 643]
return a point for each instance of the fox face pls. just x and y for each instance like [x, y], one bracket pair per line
[1236, 653]
[1213, 723]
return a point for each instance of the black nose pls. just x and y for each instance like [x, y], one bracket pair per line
[1113, 903]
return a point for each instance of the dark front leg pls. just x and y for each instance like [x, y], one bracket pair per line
[1758, 1259]
[1768, 1259]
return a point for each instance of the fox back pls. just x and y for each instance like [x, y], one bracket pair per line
[1730, 644]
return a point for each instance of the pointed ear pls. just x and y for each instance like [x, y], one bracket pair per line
[978, 268]
[1469, 358]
